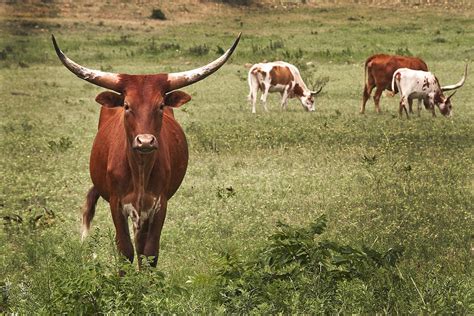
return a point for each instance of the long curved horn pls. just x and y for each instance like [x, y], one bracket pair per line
[315, 93]
[451, 95]
[181, 79]
[103, 79]
[457, 85]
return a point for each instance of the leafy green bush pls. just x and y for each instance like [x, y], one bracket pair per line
[68, 277]
[317, 273]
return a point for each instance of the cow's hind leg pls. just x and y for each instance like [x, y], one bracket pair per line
[253, 100]
[402, 107]
[377, 95]
[89, 211]
[264, 96]
[369, 86]
[253, 86]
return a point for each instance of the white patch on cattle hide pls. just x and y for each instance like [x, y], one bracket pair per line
[129, 210]
[139, 218]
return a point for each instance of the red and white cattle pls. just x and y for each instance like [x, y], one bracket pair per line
[424, 86]
[280, 77]
[378, 72]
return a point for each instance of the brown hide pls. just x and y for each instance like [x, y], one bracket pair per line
[110, 167]
[298, 91]
[122, 175]
[280, 75]
[379, 70]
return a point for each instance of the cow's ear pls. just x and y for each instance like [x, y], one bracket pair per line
[176, 98]
[109, 99]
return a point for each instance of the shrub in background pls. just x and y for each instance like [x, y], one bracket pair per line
[157, 14]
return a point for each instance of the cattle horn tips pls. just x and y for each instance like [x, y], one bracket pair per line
[314, 93]
[97, 77]
[457, 85]
[237, 40]
[450, 96]
[56, 47]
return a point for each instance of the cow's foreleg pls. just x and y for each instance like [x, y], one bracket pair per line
[122, 234]
[431, 104]
[141, 236]
[152, 243]
[419, 108]
[410, 105]
[89, 211]
[284, 99]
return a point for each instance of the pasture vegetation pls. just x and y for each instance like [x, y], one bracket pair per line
[293, 212]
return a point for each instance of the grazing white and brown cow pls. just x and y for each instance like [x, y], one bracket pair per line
[140, 155]
[378, 73]
[424, 86]
[280, 77]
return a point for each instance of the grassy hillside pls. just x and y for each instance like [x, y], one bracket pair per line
[285, 211]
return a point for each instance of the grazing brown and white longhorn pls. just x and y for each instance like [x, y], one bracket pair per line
[140, 155]
[378, 72]
[280, 77]
[424, 86]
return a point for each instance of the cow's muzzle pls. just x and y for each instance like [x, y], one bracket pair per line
[145, 143]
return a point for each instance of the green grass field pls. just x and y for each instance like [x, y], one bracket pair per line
[280, 212]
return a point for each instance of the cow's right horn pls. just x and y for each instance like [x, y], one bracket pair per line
[103, 79]
[457, 85]
[315, 93]
[181, 79]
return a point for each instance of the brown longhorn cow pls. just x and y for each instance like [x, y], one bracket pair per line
[378, 72]
[140, 155]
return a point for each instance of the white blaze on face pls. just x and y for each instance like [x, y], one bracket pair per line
[139, 218]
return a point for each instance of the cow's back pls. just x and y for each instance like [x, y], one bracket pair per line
[382, 67]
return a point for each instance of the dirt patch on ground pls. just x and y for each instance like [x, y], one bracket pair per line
[113, 10]
[139, 12]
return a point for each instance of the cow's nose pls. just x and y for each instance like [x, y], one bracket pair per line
[145, 143]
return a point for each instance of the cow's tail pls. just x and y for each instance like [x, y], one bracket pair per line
[89, 211]
[396, 81]
[366, 70]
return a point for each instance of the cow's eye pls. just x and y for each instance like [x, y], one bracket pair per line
[126, 106]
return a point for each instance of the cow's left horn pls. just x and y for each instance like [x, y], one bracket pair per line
[457, 85]
[315, 93]
[451, 95]
[103, 79]
[181, 79]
